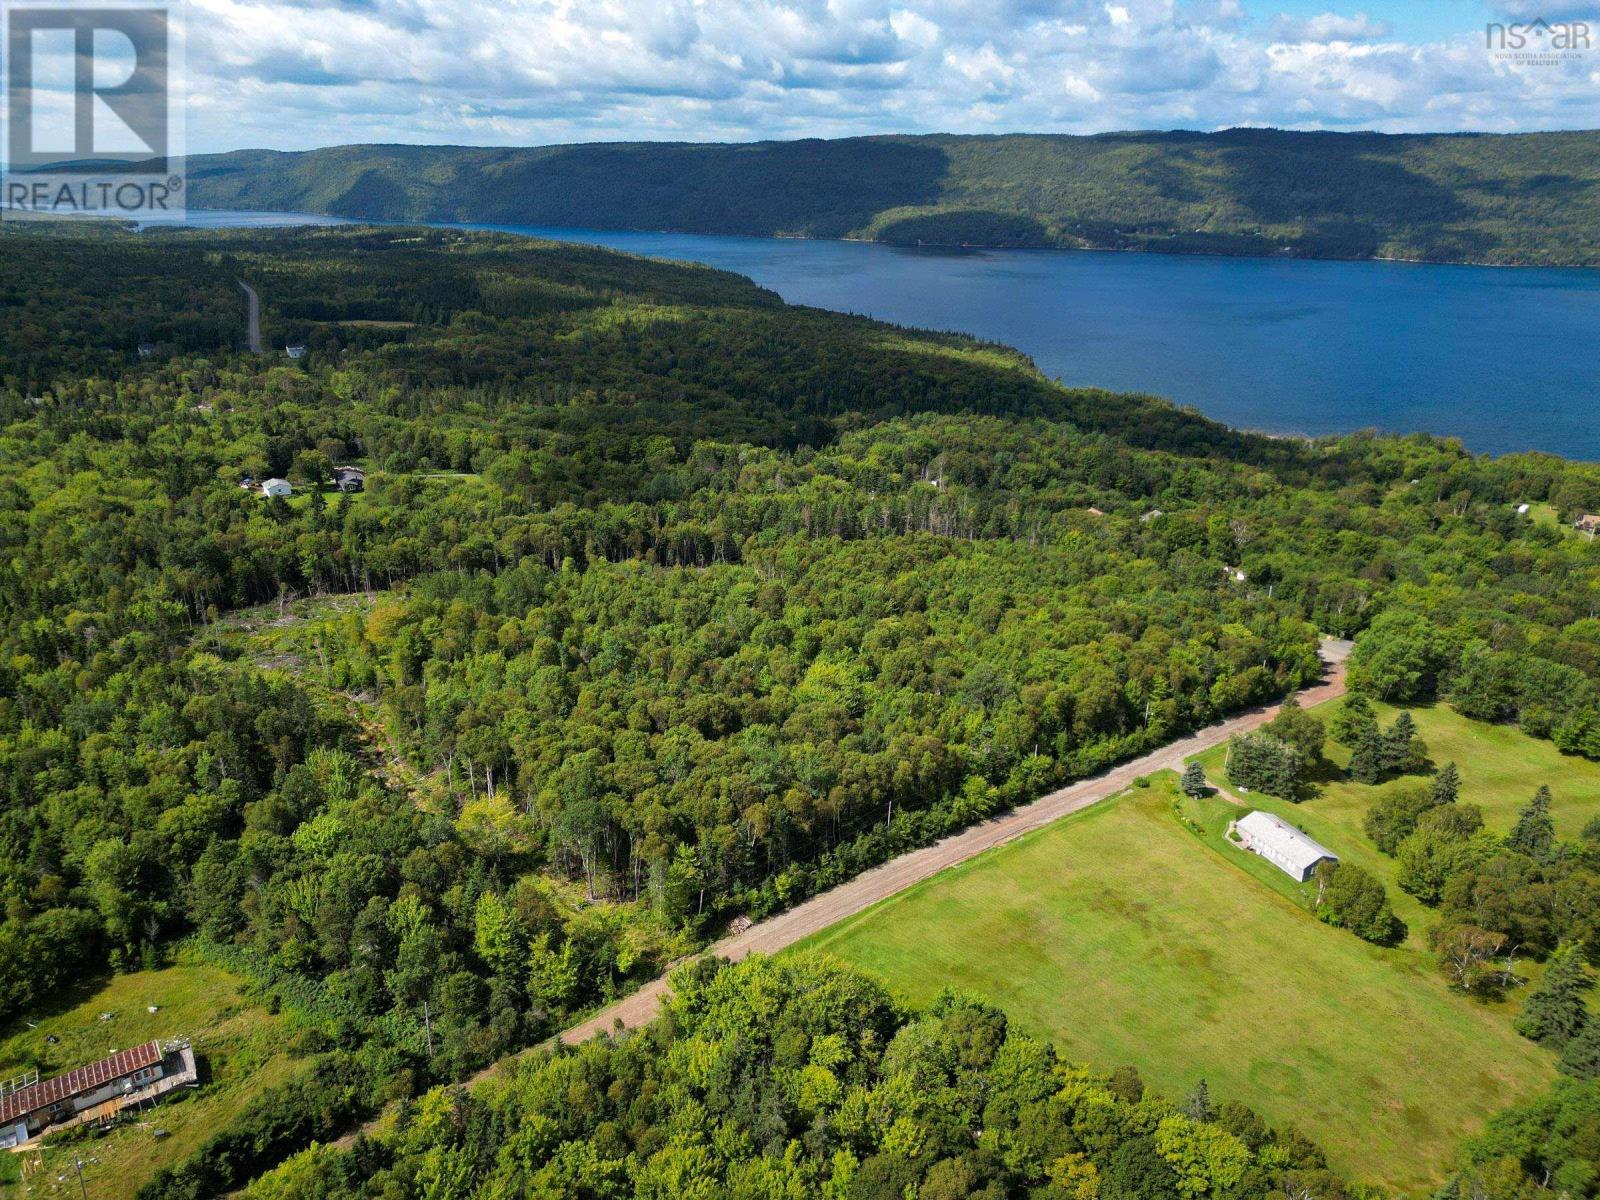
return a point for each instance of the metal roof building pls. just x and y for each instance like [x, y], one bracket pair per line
[31, 1106]
[1281, 844]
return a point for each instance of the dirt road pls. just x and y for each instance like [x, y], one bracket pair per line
[884, 881]
[865, 890]
[253, 325]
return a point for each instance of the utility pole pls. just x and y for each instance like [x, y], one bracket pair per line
[77, 1165]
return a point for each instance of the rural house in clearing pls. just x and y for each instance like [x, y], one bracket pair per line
[1588, 523]
[1281, 844]
[97, 1092]
[276, 487]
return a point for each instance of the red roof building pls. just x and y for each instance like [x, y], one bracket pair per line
[140, 1073]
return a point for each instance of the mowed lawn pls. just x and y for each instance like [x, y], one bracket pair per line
[242, 1051]
[1122, 937]
[1501, 768]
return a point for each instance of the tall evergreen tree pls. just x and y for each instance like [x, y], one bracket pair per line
[1556, 1013]
[1534, 834]
[1581, 1058]
[1198, 1104]
[1400, 749]
[1366, 764]
[1446, 785]
[1193, 782]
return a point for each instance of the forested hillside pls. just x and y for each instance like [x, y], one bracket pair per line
[1519, 198]
[664, 603]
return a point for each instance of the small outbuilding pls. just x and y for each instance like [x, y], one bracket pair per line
[276, 487]
[1292, 851]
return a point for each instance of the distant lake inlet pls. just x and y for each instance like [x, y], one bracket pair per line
[1503, 358]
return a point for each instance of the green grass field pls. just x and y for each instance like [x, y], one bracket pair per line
[1501, 767]
[242, 1051]
[1125, 938]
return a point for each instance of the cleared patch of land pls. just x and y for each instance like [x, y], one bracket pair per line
[242, 1051]
[1121, 936]
[1501, 768]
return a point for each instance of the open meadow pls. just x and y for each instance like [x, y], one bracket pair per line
[242, 1051]
[1121, 936]
[1501, 768]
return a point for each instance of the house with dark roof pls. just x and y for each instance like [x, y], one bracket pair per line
[30, 1107]
[349, 479]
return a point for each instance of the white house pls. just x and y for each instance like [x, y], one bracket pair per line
[1294, 853]
[276, 487]
[295, 352]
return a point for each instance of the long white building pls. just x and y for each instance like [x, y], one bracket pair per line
[1281, 844]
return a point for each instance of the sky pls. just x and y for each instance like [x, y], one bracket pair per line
[292, 74]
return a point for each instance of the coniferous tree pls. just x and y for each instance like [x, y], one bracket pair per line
[1401, 750]
[1581, 1058]
[1534, 834]
[1557, 1012]
[1193, 782]
[1446, 785]
[1198, 1104]
[1366, 764]
[1267, 764]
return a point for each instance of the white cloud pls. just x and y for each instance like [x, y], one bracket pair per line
[1330, 27]
[316, 72]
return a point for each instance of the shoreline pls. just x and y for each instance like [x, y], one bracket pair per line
[974, 247]
[1290, 426]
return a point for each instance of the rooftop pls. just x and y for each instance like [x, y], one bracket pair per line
[1287, 843]
[40, 1095]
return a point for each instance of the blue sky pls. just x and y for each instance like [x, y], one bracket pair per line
[291, 74]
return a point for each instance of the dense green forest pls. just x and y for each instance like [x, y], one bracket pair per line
[664, 603]
[1517, 198]
[799, 1078]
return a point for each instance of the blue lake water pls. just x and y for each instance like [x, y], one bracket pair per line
[1505, 359]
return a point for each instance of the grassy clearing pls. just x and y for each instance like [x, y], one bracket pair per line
[1501, 767]
[242, 1051]
[1121, 936]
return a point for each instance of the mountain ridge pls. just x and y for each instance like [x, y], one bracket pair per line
[1504, 199]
